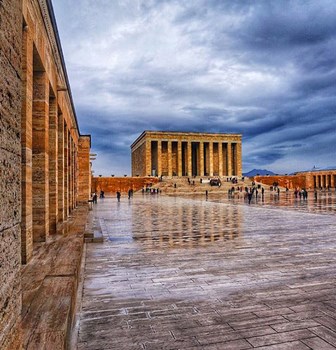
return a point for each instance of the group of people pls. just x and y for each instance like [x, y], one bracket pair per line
[249, 193]
[150, 190]
[192, 182]
[129, 194]
[94, 196]
[302, 194]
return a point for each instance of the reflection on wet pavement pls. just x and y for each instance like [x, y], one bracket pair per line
[185, 273]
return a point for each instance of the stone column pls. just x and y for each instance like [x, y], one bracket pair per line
[70, 169]
[332, 184]
[75, 176]
[148, 155]
[169, 155]
[84, 173]
[220, 159]
[26, 148]
[201, 158]
[66, 169]
[159, 158]
[239, 165]
[40, 157]
[61, 166]
[53, 165]
[229, 159]
[189, 159]
[179, 158]
[211, 157]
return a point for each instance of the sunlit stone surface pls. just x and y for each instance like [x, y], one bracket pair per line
[186, 273]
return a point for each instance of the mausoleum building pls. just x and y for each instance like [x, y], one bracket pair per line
[165, 153]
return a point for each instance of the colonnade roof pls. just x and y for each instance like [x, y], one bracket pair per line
[187, 133]
[316, 170]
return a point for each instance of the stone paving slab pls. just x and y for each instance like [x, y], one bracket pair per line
[186, 273]
[49, 285]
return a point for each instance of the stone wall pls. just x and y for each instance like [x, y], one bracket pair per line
[290, 181]
[10, 172]
[139, 161]
[110, 185]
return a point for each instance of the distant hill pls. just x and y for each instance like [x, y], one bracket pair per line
[255, 172]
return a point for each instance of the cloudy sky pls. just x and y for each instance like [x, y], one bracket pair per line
[266, 69]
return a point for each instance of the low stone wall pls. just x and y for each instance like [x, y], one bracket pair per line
[110, 185]
[290, 181]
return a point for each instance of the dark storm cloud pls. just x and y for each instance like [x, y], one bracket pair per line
[266, 69]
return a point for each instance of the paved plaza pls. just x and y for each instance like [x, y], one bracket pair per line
[191, 273]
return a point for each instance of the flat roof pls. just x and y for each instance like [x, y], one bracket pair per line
[180, 132]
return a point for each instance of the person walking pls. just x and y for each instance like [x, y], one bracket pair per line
[118, 196]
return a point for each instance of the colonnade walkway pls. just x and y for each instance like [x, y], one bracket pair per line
[191, 273]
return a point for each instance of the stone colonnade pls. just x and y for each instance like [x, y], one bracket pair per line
[321, 179]
[51, 142]
[186, 154]
[44, 161]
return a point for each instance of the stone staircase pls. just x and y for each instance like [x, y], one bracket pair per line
[180, 185]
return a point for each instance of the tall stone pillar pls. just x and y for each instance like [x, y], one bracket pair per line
[179, 158]
[70, 169]
[148, 158]
[61, 167]
[84, 173]
[71, 173]
[40, 157]
[66, 170]
[159, 158]
[26, 147]
[75, 176]
[189, 158]
[169, 154]
[201, 158]
[211, 158]
[229, 159]
[53, 165]
[239, 165]
[220, 159]
[332, 183]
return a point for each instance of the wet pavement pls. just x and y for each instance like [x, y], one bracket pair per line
[190, 273]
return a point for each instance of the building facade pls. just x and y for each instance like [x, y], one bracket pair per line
[320, 178]
[160, 153]
[44, 160]
[312, 179]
